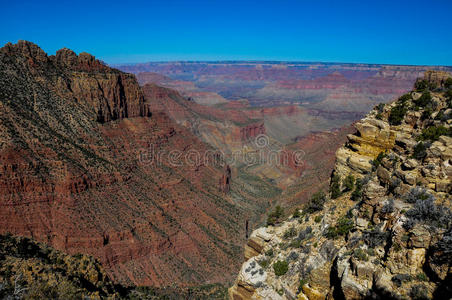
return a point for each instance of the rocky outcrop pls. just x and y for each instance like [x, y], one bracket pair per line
[106, 93]
[251, 131]
[384, 235]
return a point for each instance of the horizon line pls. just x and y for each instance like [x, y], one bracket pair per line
[272, 62]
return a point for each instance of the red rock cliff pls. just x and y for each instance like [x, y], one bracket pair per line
[108, 189]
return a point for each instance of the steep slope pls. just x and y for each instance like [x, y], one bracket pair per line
[386, 234]
[87, 169]
[32, 270]
[233, 128]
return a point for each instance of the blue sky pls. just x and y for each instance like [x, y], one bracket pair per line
[395, 32]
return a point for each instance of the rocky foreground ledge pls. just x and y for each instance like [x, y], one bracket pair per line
[384, 230]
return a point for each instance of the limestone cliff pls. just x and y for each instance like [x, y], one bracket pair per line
[384, 230]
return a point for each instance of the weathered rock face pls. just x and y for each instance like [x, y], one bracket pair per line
[110, 189]
[107, 93]
[251, 131]
[387, 236]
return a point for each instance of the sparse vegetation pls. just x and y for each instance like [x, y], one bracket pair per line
[349, 183]
[316, 202]
[280, 267]
[419, 292]
[388, 207]
[264, 263]
[399, 279]
[398, 112]
[290, 233]
[424, 100]
[269, 252]
[433, 133]
[380, 108]
[357, 193]
[427, 212]
[423, 85]
[420, 151]
[421, 277]
[377, 161]
[417, 193]
[335, 186]
[343, 226]
[448, 83]
[275, 216]
[301, 284]
[360, 254]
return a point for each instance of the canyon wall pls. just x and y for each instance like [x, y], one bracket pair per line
[85, 166]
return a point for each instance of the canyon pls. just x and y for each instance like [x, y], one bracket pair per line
[156, 177]
[331, 87]
[80, 171]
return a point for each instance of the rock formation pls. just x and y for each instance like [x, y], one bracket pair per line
[331, 87]
[251, 131]
[225, 180]
[84, 169]
[108, 93]
[385, 229]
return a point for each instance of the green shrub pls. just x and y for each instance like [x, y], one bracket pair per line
[349, 182]
[448, 83]
[424, 100]
[264, 263]
[280, 267]
[317, 219]
[422, 85]
[433, 133]
[358, 192]
[420, 151]
[404, 98]
[360, 255]
[316, 202]
[342, 227]
[301, 284]
[370, 251]
[427, 113]
[380, 108]
[398, 112]
[422, 277]
[289, 233]
[335, 186]
[331, 232]
[269, 252]
[296, 214]
[275, 216]
[295, 243]
[377, 161]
